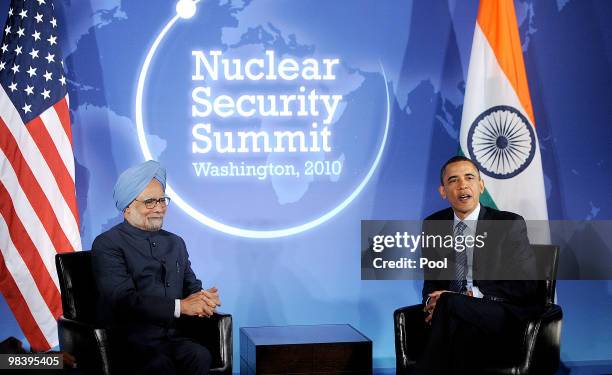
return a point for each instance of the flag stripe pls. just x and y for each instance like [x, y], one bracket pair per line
[497, 20]
[38, 171]
[26, 214]
[63, 144]
[63, 114]
[27, 288]
[20, 309]
[485, 76]
[28, 252]
[32, 189]
[41, 136]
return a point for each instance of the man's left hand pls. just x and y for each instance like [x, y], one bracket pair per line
[211, 297]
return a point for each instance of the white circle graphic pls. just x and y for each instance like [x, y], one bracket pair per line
[186, 8]
[229, 229]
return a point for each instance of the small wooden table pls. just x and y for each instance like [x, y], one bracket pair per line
[313, 349]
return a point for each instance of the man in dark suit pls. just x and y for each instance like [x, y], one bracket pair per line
[475, 307]
[146, 283]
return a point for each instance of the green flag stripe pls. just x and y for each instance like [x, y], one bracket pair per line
[486, 200]
[485, 197]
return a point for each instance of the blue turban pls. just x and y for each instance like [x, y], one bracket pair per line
[134, 180]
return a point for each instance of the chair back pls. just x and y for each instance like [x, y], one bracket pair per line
[547, 261]
[77, 285]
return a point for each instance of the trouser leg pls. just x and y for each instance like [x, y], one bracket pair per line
[190, 357]
[466, 333]
[143, 359]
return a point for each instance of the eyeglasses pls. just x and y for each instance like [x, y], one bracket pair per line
[152, 202]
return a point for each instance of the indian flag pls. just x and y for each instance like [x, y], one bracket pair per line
[498, 129]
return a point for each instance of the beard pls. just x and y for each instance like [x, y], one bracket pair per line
[154, 224]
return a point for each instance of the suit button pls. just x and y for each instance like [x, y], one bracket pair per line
[168, 284]
[153, 244]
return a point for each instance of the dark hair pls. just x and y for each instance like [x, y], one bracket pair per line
[456, 159]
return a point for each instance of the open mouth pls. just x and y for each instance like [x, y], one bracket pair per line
[464, 197]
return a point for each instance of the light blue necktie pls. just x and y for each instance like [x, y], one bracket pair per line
[459, 284]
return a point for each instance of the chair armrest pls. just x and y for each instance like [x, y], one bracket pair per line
[545, 354]
[540, 347]
[216, 334]
[87, 343]
[410, 333]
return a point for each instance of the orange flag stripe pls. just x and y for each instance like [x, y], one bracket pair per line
[497, 20]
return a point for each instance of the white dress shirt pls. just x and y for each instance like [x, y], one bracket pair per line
[177, 308]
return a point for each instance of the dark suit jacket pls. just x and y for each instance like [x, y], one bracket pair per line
[139, 274]
[504, 267]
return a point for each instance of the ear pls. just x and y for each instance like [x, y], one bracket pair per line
[481, 183]
[442, 191]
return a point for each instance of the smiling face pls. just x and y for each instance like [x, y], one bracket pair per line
[462, 187]
[142, 217]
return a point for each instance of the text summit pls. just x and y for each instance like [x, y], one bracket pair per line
[211, 65]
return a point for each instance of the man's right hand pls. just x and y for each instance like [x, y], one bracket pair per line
[202, 303]
[433, 299]
[431, 304]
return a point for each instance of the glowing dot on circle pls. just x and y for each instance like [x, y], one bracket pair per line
[186, 8]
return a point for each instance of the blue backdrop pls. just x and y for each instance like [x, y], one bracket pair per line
[312, 275]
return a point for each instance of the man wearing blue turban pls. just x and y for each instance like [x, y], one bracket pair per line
[145, 281]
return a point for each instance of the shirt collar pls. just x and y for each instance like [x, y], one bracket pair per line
[471, 220]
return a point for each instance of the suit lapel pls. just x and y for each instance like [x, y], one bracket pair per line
[449, 222]
[450, 219]
[482, 227]
[484, 218]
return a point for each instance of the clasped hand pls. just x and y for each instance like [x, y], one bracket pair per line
[202, 303]
[432, 300]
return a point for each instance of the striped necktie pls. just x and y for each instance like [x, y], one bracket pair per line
[459, 284]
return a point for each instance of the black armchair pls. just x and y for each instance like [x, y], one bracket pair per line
[539, 353]
[80, 335]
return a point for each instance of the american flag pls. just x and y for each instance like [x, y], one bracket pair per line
[38, 211]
